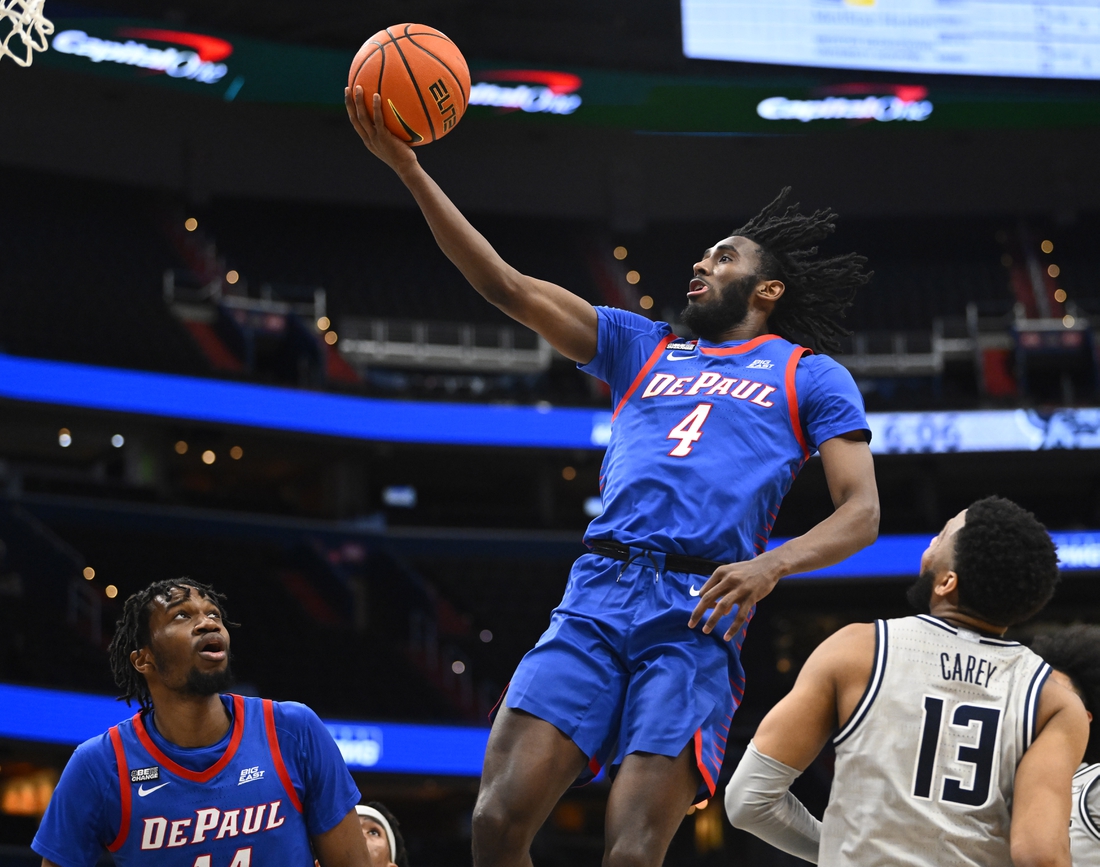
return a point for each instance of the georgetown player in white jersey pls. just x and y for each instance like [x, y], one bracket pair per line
[954, 745]
[1074, 654]
[1084, 826]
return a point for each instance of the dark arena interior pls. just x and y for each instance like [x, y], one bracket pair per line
[231, 350]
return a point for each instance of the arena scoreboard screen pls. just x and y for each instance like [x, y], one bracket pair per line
[1020, 38]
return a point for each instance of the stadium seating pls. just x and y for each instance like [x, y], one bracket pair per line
[104, 254]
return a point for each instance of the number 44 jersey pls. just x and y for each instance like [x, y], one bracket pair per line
[926, 763]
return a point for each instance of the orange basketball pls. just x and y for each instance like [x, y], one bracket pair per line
[422, 77]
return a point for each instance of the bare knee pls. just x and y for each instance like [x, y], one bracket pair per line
[501, 834]
[648, 802]
[494, 822]
[528, 765]
[638, 850]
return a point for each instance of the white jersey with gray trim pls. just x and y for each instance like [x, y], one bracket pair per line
[925, 765]
[1084, 821]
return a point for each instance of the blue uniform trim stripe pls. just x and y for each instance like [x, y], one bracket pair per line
[873, 685]
[1031, 702]
[1000, 642]
[984, 639]
[935, 621]
[1083, 807]
[1085, 769]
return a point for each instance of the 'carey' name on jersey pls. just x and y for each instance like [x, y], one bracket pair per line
[707, 384]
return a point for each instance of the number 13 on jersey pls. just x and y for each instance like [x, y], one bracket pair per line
[689, 430]
[980, 755]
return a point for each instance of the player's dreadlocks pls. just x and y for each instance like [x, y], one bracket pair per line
[818, 291]
[132, 633]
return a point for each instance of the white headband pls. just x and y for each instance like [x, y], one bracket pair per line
[372, 813]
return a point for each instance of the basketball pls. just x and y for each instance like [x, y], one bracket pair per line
[421, 76]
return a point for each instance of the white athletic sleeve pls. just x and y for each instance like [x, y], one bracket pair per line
[758, 800]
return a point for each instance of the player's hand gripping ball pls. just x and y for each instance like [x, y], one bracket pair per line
[421, 76]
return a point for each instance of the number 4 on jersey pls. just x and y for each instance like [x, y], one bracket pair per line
[689, 430]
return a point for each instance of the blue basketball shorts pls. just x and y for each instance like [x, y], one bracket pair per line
[618, 671]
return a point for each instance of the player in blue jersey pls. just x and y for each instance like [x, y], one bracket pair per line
[707, 437]
[198, 778]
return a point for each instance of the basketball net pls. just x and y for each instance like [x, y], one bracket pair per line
[27, 22]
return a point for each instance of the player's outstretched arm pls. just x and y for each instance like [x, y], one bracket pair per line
[566, 321]
[853, 525]
[758, 799]
[1041, 798]
[343, 845]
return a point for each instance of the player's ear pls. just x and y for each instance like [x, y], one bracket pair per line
[771, 290]
[142, 660]
[946, 584]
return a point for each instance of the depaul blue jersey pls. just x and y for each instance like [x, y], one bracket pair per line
[706, 439]
[252, 800]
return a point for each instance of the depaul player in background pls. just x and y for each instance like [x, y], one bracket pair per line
[955, 748]
[1074, 654]
[198, 778]
[707, 437]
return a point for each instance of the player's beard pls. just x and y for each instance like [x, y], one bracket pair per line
[920, 594]
[197, 682]
[711, 320]
[208, 683]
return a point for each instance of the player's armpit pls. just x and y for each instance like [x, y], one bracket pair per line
[826, 692]
[343, 845]
[790, 737]
[1041, 794]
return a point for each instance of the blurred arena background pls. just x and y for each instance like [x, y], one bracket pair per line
[229, 348]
